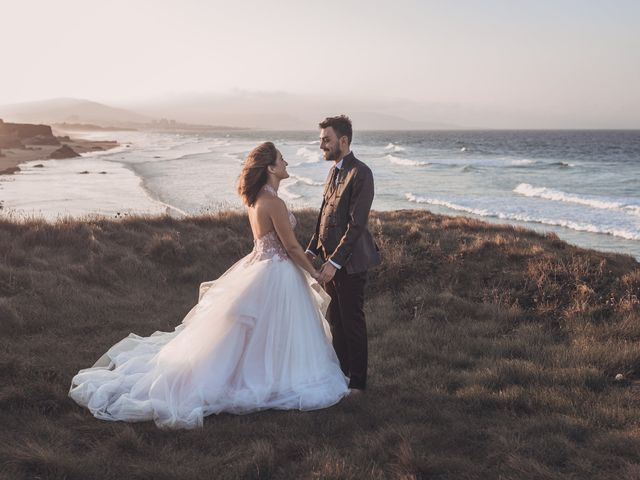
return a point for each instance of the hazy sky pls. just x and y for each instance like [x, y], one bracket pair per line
[563, 57]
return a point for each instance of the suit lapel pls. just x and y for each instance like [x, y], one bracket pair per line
[347, 164]
[327, 185]
[329, 189]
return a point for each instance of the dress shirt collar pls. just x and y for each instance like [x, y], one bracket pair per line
[339, 164]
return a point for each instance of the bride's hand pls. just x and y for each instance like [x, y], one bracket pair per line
[315, 274]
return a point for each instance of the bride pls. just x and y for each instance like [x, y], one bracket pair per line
[257, 338]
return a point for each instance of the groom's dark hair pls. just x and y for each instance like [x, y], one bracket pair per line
[340, 124]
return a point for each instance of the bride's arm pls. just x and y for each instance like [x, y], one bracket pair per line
[280, 218]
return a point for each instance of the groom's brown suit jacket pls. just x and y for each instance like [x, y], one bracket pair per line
[341, 233]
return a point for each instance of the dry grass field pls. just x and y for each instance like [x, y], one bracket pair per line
[493, 355]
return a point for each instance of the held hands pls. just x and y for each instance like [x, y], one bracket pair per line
[327, 271]
[316, 273]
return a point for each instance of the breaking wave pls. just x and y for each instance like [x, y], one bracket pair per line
[578, 226]
[309, 156]
[405, 161]
[558, 196]
[306, 181]
[394, 148]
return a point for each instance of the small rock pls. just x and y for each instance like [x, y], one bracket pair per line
[38, 166]
[103, 173]
[619, 377]
[10, 170]
[64, 151]
[83, 172]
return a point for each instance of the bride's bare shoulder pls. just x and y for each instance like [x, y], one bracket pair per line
[268, 203]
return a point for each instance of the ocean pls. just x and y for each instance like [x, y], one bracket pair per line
[582, 185]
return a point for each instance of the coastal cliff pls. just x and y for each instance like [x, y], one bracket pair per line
[16, 135]
[24, 142]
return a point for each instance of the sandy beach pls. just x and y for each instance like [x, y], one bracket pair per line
[12, 157]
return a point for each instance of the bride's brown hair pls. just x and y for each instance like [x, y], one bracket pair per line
[254, 173]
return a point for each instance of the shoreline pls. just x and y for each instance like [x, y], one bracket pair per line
[12, 158]
[154, 196]
[149, 149]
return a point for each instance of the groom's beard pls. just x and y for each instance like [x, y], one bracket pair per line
[333, 154]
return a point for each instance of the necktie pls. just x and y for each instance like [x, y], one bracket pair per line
[334, 177]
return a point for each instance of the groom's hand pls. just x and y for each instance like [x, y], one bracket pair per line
[310, 256]
[326, 273]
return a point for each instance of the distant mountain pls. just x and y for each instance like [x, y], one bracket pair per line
[284, 111]
[70, 110]
[384, 121]
[263, 110]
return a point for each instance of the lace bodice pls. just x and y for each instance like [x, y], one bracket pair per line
[268, 245]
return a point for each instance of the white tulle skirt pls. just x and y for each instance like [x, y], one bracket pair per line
[257, 339]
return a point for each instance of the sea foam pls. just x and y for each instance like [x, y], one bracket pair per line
[405, 161]
[288, 194]
[443, 203]
[306, 180]
[523, 161]
[394, 148]
[560, 222]
[558, 196]
[310, 156]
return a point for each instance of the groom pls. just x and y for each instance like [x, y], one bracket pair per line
[346, 246]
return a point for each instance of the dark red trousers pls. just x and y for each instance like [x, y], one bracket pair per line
[348, 328]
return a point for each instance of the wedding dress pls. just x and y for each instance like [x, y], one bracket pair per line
[257, 339]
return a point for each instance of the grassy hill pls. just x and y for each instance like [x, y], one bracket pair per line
[493, 354]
